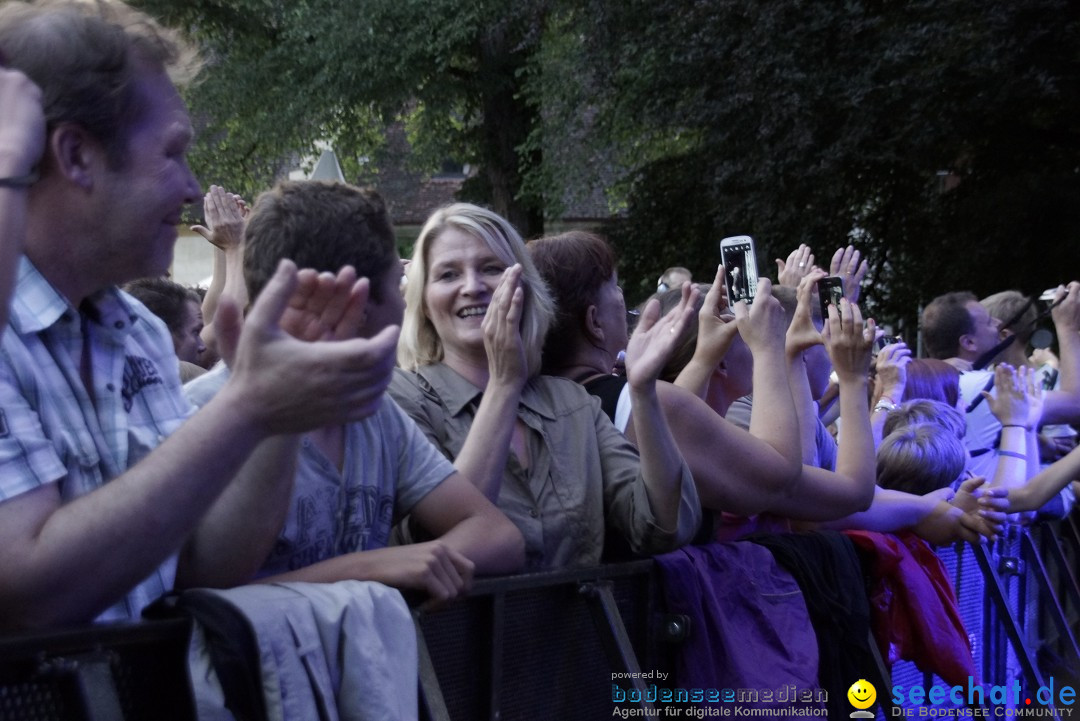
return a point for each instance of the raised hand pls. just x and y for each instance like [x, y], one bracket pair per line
[891, 371]
[22, 124]
[845, 263]
[848, 340]
[763, 325]
[286, 385]
[657, 338]
[1011, 404]
[326, 306]
[1066, 310]
[505, 349]
[1031, 380]
[716, 326]
[226, 216]
[802, 333]
[799, 263]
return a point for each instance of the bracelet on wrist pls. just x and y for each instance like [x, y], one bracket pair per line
[1016, 425]
[20, 181]
[1013, 454]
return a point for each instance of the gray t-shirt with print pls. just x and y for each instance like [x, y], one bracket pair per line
[389, 466]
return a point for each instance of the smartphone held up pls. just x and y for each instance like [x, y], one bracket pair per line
[830, 291]
[740, 262]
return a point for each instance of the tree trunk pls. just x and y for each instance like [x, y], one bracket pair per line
[507, 120]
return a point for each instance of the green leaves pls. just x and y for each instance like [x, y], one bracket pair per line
[797, 121]
[791, 120]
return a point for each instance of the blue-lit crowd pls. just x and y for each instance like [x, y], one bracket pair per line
[327, 413]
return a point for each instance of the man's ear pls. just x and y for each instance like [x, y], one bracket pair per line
[76, 155]
[967, 343]
[1004, 333]
[594, 330]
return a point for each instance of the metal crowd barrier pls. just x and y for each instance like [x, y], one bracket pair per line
[1020, 603]
[548, 645]
[108, 672]
[540, 646]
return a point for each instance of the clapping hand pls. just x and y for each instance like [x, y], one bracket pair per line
[226, 216]
[845, 263]
[802, 334]
[288, 385]
[849, 340]
[1018, 398]
[799, 263]
[891, 371]
[502, 331]
[657, 338]
[326, 306]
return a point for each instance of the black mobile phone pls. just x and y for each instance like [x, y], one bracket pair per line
[830, 290]
[740, 261]
[885, 340]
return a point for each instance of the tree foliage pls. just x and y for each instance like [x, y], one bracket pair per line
[941, 137]
[283, 76]
[796, 121]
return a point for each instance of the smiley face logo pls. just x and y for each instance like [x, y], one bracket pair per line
[862, 694]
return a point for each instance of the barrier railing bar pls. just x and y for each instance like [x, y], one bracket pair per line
[432, 703]
[1052, 545]
[613, 635]
[996, 593]
[498, 630]
[1049, 597]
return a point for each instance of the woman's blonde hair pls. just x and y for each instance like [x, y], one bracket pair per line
[420, 345]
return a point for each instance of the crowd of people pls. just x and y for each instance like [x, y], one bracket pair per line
[486, 410]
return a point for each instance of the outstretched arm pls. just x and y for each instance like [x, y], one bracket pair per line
[1018, 411]
[889, 383]
[473, 537]
[823, 495]
[754, 473]
[226, 218]
[652, 344]
[1063, 405]
[1036, 492]
[716, 332]
[933, 517]
[22, 140]
[801, 336]
[772, 417]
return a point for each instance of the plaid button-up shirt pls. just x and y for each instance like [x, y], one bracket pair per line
[53, 429]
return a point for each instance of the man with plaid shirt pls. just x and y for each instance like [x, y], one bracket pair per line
[111, 489]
